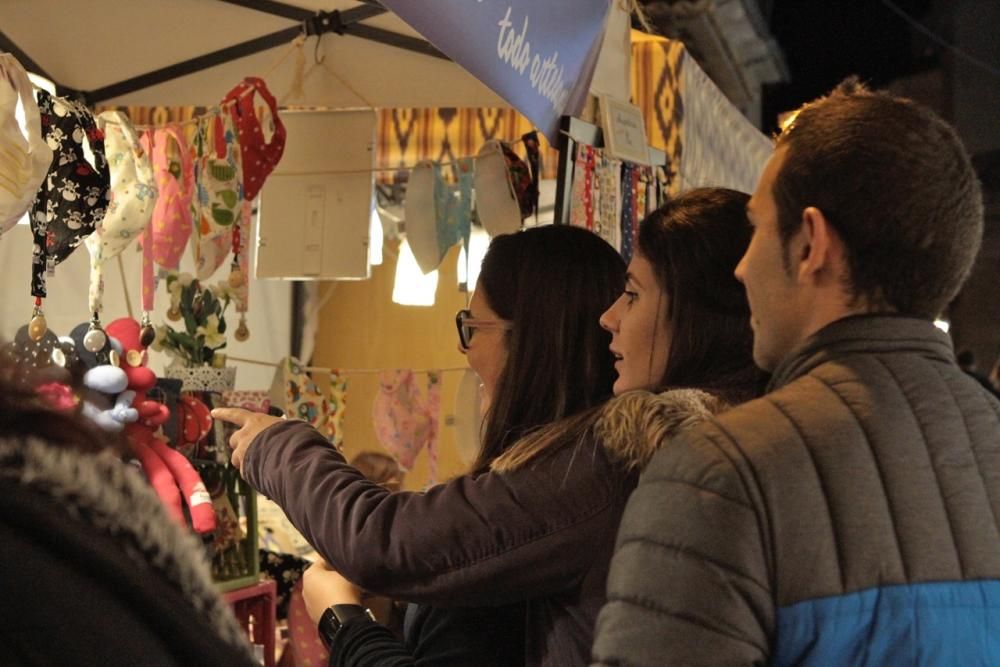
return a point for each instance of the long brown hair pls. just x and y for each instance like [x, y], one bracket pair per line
[694, 242]
[552, 283]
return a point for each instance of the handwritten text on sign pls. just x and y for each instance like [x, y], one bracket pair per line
[542, 83]
[514, 49]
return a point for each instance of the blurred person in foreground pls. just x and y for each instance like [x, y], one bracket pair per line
[94, 571]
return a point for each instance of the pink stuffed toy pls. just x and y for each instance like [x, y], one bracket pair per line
[166, 468]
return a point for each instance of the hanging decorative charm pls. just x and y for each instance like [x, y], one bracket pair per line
[38, 326]
[235, 276]
[95, 339]
[147, 334]
[242, 331]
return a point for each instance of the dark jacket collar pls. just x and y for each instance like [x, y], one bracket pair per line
[870, 333]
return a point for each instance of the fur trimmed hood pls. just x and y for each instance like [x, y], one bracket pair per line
[100, 490]
[630, 427]
[634, 425]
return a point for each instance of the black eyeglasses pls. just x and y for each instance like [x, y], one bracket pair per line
[467, 324]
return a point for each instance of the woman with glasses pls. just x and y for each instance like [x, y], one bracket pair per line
[536, 520]
[532, 547]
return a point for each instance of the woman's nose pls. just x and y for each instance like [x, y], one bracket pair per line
[607, 320]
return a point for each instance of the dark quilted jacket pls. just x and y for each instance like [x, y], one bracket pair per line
[543, 533]
[848, 517]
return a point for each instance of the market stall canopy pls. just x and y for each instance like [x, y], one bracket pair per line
[120, 53]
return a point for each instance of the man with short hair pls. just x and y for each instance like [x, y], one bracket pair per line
[852, 514]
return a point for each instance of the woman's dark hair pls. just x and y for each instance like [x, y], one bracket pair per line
[694, 243]
[553, 283]
[25, 414]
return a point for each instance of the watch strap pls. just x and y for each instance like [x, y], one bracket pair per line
[335, 616]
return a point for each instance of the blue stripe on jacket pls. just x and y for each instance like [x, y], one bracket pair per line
[946, 623]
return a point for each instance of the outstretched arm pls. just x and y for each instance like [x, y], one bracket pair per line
[450, 545]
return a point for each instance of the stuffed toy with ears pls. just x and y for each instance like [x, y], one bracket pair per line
[104, 398]
[109, 381]
[169, 472]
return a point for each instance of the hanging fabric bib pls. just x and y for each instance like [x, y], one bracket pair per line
[259, 156]
[453, 217]
[338, 407]
[219, 202]
[131, 200]
[405, 420]
[438, 215]
[164, 239]
[24, 161]
[496, 202]
[73, 197]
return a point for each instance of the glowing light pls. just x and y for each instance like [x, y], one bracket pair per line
[412, 287]
[479, 241]
[375, 239]
[943, 325]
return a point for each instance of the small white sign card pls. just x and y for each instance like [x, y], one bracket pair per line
[624, 130]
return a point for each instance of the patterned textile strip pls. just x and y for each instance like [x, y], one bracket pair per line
[582, 200]
[629, 172]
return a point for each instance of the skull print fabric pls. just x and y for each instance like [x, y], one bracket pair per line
[74, 195]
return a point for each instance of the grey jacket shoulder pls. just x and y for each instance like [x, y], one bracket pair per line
[875, 461]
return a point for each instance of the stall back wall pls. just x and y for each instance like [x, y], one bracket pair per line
[360, 327]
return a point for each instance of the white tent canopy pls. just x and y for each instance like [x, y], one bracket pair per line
[92, 46]
[101, 48]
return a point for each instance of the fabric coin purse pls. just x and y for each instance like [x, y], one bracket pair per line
[24, 160]
[131, 200]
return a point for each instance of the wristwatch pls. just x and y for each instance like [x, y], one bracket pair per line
[335, 616]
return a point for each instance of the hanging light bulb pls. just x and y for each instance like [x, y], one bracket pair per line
[412, 287]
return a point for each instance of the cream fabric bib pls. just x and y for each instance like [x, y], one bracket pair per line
[133, 197]
[24, 161]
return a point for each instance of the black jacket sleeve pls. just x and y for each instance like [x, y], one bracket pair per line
[477, 540]
[484, 637]
[362, 642]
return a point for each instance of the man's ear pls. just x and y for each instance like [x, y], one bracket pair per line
[820, 250]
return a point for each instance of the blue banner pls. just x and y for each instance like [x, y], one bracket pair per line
[537, 55]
